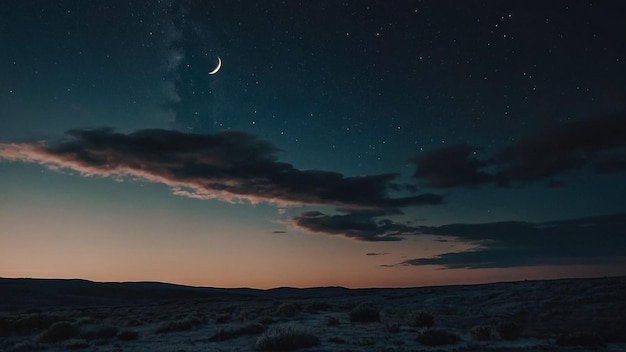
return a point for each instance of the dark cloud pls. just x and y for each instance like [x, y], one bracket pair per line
[279, 231]
[590, 240]
[230, 166]
[451, 166]
[375, 254]
[564, 148]
[599, 142]
[361, 225]
[611, 162]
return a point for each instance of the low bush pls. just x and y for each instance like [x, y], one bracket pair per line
[285, 337]
[421, 319]
[59, 331]
[364, 313]
[586, 339]
[482, 332]
[437, 337]
[288, 309]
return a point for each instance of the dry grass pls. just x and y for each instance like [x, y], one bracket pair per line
[285, 337]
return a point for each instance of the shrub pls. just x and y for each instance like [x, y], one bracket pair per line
[586, 339]
[421, 319]
[288, 309]
[364, 313]
[59, 331]
[482, 332]
[437, 337]
[127, 335]
[172, 326]
[227, 334]
[508, 330]
[285, 337]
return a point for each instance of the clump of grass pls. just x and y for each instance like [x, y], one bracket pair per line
[178, 325]
[288, 309]
[392, 327]
[285, 337]
[421, 319]
[482, 332]
[585, 339]
[59, 331]
[364, 313]
[508, 330]
[437, 337]
[128, 335]
[227, 334]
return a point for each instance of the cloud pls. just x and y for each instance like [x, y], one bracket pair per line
[451, 166]
[360, 225]
[375, 254]
[599, 142]
[590, 240]
[230, 166]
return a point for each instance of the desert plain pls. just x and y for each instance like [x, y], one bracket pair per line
[587, 314]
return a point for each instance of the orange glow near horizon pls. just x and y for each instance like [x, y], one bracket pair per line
[199, 243]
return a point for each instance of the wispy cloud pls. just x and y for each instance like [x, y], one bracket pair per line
[362, 225]
[230, 166]
[597, 142]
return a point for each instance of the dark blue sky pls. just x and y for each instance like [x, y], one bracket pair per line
[366, 120]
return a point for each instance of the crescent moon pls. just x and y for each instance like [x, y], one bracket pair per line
[219, 65]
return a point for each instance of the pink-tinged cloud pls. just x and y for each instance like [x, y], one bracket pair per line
[229, 166]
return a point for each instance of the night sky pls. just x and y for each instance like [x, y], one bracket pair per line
[351, 143]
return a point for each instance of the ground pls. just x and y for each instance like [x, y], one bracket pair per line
[60, 315]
